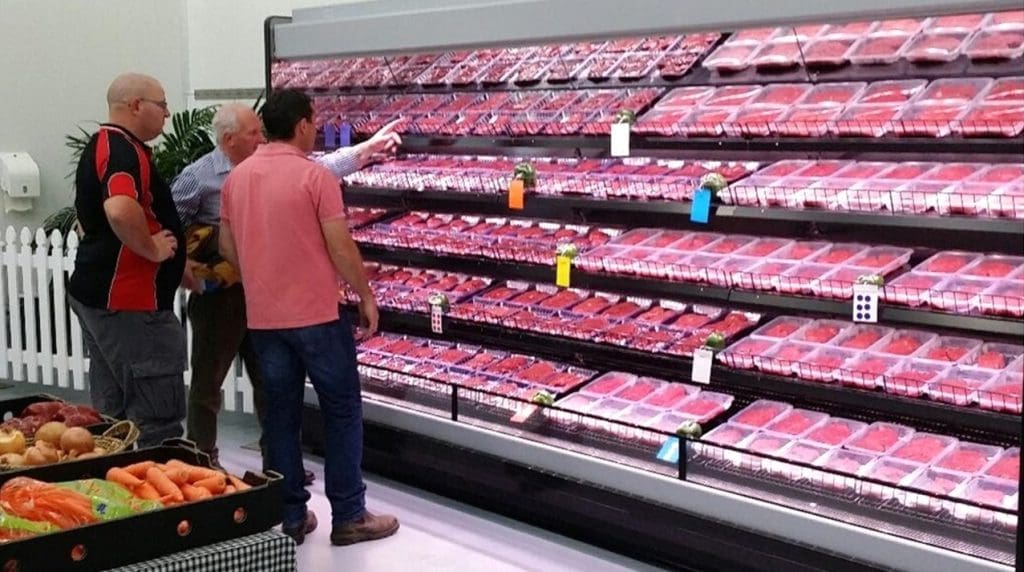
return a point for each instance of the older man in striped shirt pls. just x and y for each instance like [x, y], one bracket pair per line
[218, 313]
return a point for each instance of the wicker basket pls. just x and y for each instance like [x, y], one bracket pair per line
[119, 437]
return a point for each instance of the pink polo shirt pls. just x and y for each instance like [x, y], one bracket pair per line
[274, 202]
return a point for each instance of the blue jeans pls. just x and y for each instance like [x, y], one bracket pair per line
[327, 354]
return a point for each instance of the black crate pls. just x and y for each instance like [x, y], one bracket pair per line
[149, 535]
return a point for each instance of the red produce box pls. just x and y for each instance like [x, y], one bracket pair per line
[609, 383]
[968, 457]
[906, 342]
[861, 337]
[1007, 466]
[880, 438]
[798, 422]
[835, 431]
[704, 406]
[924, 448]
[761, 413]
[821, 331]
[670, 395]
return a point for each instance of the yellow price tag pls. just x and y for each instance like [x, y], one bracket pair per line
[516, 190]
[563, 266]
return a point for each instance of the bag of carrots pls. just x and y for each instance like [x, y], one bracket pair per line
[70, 504]
[15, 528]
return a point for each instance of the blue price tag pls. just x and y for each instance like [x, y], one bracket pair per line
[669, 452]
[330, 137]
[700, 212]
[346, 134]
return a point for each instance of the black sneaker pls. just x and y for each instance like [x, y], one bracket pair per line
[299, 534]
[310, 477]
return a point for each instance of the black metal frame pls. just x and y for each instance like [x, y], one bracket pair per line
[1011, 330]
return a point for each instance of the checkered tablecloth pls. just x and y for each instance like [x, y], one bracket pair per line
[269, 551]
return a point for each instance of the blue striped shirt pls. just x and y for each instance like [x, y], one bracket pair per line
[197, 189]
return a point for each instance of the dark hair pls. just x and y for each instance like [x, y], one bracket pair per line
[283, 111]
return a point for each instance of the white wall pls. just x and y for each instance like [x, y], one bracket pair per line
[57, 58]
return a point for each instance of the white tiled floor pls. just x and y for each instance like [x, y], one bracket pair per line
[437, 534]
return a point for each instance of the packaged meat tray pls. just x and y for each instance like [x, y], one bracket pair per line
[912, 289]
[764, 444]
[685, 98]
[880, 438]
[958, 90]
[958, 294]
[821, 331]
[950, 349]
[781, 327]
[862, 337]
[845, 462]
[968, 458]
[965, 199]
[639, 390]
[660, 313]
[780, 95]
[906, 342]
[829, 51]
[930, 119]
[891, 92]
[1006, 467]
[1004, 298]
[965, 23]
[1009, 20]
[868, 370]
[901, 26]
[608, 383]
[704, 406]
[924, 448]
[1003, 394]
[994, 266]
[995, 44]
[578, 403]
[670, 395]
[835, 431]
[1006, 90]
[949, 262]
[745, 353]
[913, 377]
[868, 120]
[800, 251]
[991, 120]
[761, 414]
[934, 482]
[888, 470]
[728, 434]
[839, 282]
[936, 47]
[875, 48]
[798, 422]
[730, 57]
[959, 385]
[779, 53]
[783, 358]
[995, 356]
[989, 492]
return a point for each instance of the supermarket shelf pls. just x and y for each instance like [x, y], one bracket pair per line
[850, 402]
[764, 301]
[663, 520]
[639, 143]
[1004, 234]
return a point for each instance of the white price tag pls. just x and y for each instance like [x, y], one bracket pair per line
[620, 139]
[702, 360]
[436, 318]
[865, 303]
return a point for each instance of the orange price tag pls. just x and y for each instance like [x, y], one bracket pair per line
[516, 190]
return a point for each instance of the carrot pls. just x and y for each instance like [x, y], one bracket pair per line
[178, 476]
[230, 489]
[138, 470]
[164, 485]
[213, 484]
[238, 483]
[145, 491]
[195, 473]
[123, 477]
[195, 493]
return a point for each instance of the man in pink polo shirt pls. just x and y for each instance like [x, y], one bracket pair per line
[283, 227]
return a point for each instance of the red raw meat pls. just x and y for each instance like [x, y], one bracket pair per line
[833, 432]
[700, 407]
[506, 388]
[880, 48]
[561, 300]
[759, 415]
[656, 315]
[425, 352]
[992, 269]
[991, 360]
[890, 473]
[991, 497]
[591, 305]
[778, 54]
[45, 409]
[565, 380]
[781, 329]
[802, 250]
[669, 395]
[791, 353]
[947, 263]
[726, 246]
[452, 356]
[694, 241]
[937, 484]
[804, 453]
[903, 26]
[480, 360]
[845, 464]
[608, 383]
[836, 255]
[964, 460]
[1007, 467]
[826, 361]
[664, 239]
[903, 345]
[638, 391]
[500, 293]
[537, 372]
[794, 423]
[890, 92]
[727, 436]
[766, 444]
[966, 22]
[922, 449]
[622, 310]
[957, 90]
[764, 247]
[530, 297]
[935, 47]
[879, 438]
[730, 57]
[875, 260]
[828, 51]
[947, 353]
[863, 340]
[690, 321]
[820, 334]
[73, 419]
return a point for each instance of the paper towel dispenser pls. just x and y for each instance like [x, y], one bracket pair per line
[19, 175]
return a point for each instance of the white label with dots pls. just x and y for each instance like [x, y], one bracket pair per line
[865, 303]
[436, 319]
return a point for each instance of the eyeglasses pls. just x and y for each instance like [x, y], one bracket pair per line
[161, 103]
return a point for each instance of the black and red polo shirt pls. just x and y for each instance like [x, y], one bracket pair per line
[107, 274]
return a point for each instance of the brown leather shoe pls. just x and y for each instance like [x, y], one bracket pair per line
[299, 534]
[369, 527]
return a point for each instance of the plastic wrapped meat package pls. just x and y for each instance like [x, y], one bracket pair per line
[1003, 394]
[993, 493]
[993, 44]
[848, 464]
[1006, 90]
[764, 444]
[950, 349]
[936, 47]
[802, 278]
[760, 414]
[807, 120]
[968, 457]
[778, 53]
[924, 448]
[992, 120]
[930, 119]
[1003, 298]
[995, 266]
[913, 377]
[891, 471]
[728, 434]
[880, 438]
[730, 57]
[706, 121]
[868, 120]
[867, 370]
[798, 422]
[829, 51]
[934, 482]
[995, 356]
[574, 403]
[799, 452]
[912, 289]
[960, 294]
[1006, 467]
[704, 406]
[876, 48]
[746, 353]
[959, 385]
[835, 432]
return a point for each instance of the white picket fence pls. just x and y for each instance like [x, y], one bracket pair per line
[41, 339]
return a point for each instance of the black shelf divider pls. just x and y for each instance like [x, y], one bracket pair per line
[1010, 330]
[990, 234]
[857, 403]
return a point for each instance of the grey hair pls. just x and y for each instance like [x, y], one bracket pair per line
[225, 121]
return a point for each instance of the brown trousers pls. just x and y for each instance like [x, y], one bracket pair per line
[219, 333]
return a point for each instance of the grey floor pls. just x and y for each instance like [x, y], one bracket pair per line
[437, 534]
